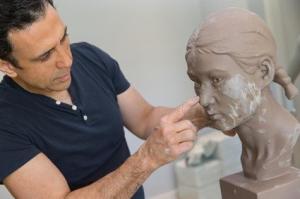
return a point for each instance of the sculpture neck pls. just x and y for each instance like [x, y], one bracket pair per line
[268, 138]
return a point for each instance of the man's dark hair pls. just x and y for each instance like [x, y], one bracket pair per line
[17, 15]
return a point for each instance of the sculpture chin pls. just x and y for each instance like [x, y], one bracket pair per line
[222, 125]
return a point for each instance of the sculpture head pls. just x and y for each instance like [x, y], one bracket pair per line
[232, 60]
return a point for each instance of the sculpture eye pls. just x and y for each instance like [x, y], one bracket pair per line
[197, 85]
[197, 88]
[193, 78]
[216, 81]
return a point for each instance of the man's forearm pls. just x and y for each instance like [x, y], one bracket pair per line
[196, 115]
[119, 184]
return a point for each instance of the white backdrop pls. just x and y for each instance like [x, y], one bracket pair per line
[148, 40]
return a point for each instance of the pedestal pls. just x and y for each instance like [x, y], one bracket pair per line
[236, 186]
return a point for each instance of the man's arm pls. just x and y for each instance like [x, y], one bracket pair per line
[141, 118]
[172, 136]
[40, 179]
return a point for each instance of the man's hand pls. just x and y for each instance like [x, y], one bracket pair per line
[172, 137]
[198, 117]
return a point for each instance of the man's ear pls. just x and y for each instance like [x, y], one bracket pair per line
[7, 68]
[266, 71]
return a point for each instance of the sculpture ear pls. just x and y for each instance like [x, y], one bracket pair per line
[266, 71]
[7, 68]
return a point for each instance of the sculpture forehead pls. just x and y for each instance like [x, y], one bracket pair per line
[206, 63]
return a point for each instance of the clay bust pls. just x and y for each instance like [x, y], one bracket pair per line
[232, 61]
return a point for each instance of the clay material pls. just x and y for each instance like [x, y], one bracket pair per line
[236, 186]
[232, 61]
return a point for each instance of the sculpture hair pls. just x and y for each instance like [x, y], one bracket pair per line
[244, 37]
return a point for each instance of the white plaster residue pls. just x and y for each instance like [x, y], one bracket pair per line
[295, 135]
[234, 87]
[233, 114]
[283, 151]
[225, 126]
[244, 96]
[255, 95]
[247, 94]
[234, 110]
[261, 131]
[281, 164]
[297, 130]
[262, 119]
[285, 163]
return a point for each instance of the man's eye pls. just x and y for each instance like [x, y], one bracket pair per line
[45, 57]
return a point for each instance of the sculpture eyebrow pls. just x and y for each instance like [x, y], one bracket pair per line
[218, 72]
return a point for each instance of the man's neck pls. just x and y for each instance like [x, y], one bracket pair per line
[62, 96]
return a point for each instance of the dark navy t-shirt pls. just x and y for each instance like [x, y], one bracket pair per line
[85, 141]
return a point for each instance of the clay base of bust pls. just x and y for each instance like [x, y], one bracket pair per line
[236, 186]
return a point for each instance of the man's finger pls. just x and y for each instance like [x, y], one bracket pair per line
[183, 125]
[181, 110]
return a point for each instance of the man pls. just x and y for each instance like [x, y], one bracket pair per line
[62, 110]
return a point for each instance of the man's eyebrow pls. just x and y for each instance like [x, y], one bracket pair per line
[48, 51]
[65, 34]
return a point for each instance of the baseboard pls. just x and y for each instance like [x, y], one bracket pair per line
[167, 195]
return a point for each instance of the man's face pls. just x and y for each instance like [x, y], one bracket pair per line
[43, 52]
[228, 94]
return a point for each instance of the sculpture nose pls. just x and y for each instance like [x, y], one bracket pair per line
[206, 99]
[205, 94]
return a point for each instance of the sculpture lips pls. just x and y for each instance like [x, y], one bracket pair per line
[213, 115]
[216, 116]
[210, 111]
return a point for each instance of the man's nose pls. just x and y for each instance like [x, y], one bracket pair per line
[64, 57]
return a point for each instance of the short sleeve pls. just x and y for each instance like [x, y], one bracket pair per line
[15, 151]
[120, 82]
[111, 66]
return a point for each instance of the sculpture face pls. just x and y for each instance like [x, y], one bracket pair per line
[229, 95]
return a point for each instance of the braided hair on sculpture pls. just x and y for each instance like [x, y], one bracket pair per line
[282, 78]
